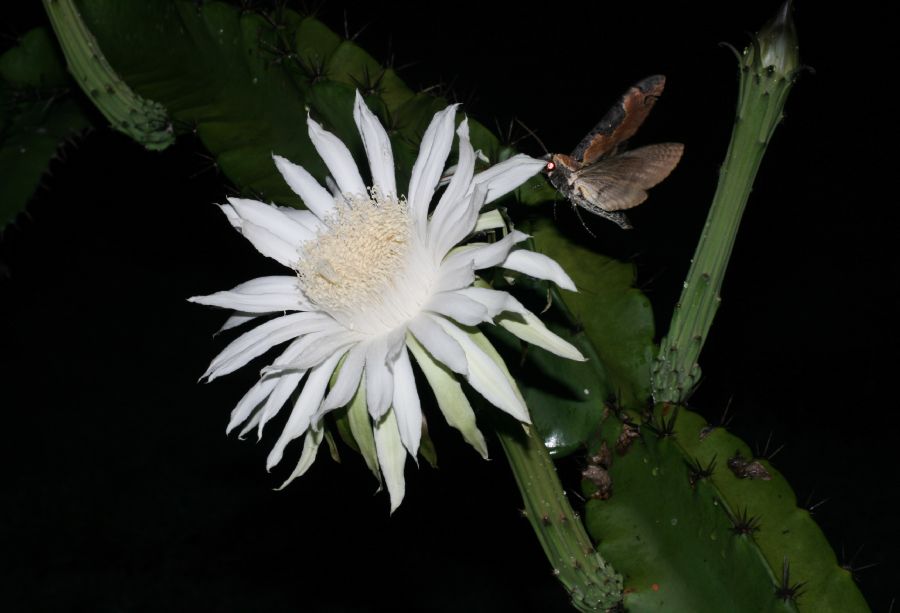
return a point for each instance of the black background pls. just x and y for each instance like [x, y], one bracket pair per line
[122, 492]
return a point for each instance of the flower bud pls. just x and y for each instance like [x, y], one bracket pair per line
[776, 44]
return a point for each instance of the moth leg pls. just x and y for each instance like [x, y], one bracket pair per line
[616, 217]
[581, 219]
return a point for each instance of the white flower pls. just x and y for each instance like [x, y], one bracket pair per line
[373, 275]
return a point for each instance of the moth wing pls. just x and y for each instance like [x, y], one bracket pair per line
[620, 183]
[621, 121]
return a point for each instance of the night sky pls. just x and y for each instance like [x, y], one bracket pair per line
[122, 491]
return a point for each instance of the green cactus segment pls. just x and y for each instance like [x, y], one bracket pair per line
[244, 83]
[616, 317]
[143, 120]
[37, 115]
[785, 531]
[686, 540]
[763, 92]
[592, 583]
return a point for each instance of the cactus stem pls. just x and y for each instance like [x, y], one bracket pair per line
[768, 70]
[149, 125]
[593, 583]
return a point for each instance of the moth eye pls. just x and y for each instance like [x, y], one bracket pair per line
[551, 166]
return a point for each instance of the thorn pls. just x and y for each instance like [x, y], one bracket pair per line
[787, 591]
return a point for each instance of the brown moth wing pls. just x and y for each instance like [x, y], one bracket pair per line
[620, 182]
[621, 121]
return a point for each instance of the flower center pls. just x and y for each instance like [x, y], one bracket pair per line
[358, 259]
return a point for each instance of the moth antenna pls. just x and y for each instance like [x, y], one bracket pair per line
[535, 137]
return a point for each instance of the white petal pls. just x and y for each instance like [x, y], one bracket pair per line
[272, 219]
[456, 306]
[487, 373]
[454, 274]
[361, 429]
[307, 456]
[270, 245]
[348, 378]
[251, 400]
[407, 408]
[502, 178]
[263, 295]
[379, 379]
[426, 172]
[305, 218]
[460, 224]
[314, 196]
[262, 338]
[337, 158]
[539, 266]
[528, 327]
[491, 220]
[391, 457]
[237, 319]
[487, 254]
[444, 349]
[493, 300]
[378, 148]
[322, 345]
[233, 218]
[453, 198]
[450, 397]
[287, 383]
[304, 408]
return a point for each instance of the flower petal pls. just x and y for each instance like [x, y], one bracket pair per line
[270, 245]
[450, 397]
[451, 205]
[272, 219]
[251, 400]
[407, 408]
[487, 373]
[379, 379]
[287, 383]
[391, 457]
[454, 274]
[307, 456]
[322, 345]
[344, 388]
[490, 220]
[262, 295]
[262, 338]
[528, 327]
[493, 300]
[459, 224]
[337, 158]
[314, 196]
[238, 318]
[304, 408]
[426, 172]
[305, 218]
[539, 266]
[378, 148]
[485, 255]
[502, 178]
[459, 307]
[361, 429]
[444, 349]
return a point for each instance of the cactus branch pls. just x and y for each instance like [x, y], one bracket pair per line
[590, 580]
[143, 120]
[768, 67]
